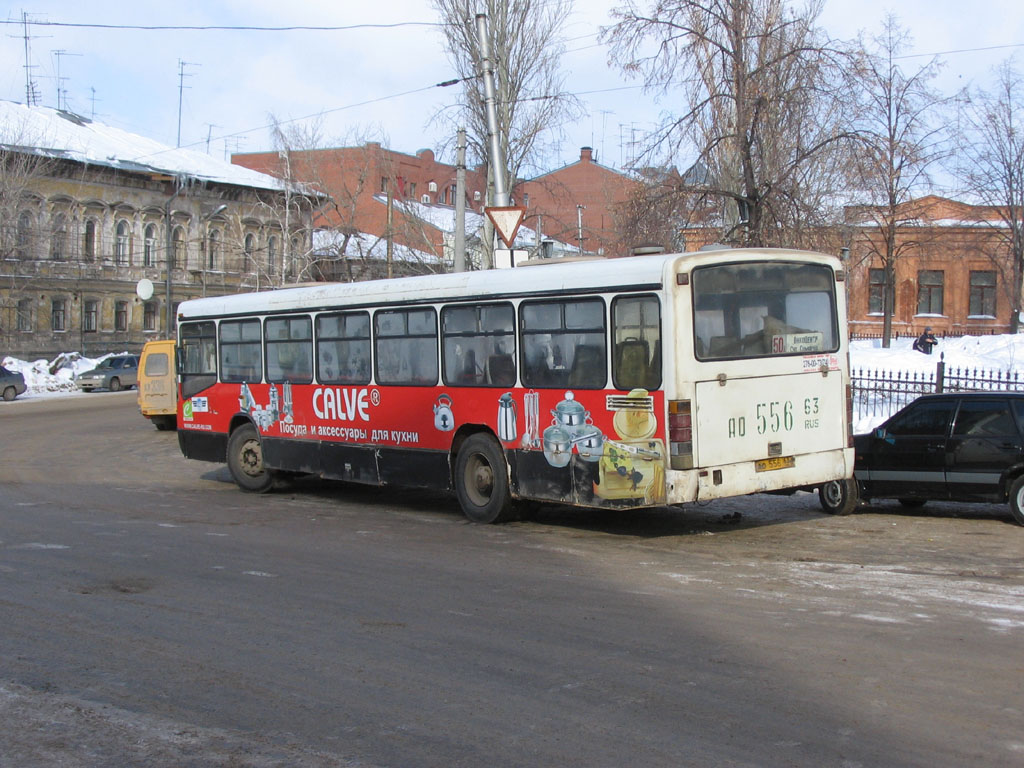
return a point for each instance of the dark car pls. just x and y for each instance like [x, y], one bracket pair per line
[12, 383]
[115, 373]
[964, 446]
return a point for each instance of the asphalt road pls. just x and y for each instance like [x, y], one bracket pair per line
[153, 615]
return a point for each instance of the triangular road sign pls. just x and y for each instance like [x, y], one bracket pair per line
[506, 221]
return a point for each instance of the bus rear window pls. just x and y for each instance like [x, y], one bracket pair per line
[763, 309]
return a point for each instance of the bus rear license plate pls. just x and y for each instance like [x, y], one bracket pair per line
[776, 462]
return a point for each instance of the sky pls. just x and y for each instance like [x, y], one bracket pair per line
[377, 82]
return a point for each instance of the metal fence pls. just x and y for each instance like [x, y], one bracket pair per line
[879, 394]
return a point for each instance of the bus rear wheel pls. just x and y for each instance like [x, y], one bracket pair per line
[245, 460]
[481, 481]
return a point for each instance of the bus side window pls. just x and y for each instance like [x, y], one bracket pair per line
[474, 343]
[636, 359]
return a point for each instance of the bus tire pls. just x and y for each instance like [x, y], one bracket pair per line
[839, 497]
[481, 480]
[245, 460]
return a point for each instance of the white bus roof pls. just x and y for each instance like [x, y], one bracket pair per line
[635, 272]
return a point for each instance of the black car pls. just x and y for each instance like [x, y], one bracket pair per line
[12, 383]
[962, 446]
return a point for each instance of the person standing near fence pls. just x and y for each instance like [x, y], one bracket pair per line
[925, 342]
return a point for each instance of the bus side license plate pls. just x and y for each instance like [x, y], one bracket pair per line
[776, 462]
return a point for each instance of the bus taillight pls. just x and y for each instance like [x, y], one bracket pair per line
[680, 434]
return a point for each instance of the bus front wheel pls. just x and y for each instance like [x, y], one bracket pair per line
[481, 481]
[245, 460]
[839, 497]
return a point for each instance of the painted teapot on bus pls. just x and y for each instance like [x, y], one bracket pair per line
[444, 419]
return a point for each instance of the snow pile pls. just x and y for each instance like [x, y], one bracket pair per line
[994, 353]
[52, 377]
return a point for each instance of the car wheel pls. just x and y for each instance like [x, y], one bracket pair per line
[839, 497]
[245, 460]
[10, 393]
[912, 503]
[481, 481]
[1017, 500]
[115, 385]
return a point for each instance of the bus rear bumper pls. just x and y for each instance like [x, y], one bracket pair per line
[742, 478]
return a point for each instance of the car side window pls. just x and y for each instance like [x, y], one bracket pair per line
[984, 418]
[930, 417]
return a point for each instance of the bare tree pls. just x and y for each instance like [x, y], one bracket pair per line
[900, 141]
[24, 232]
[994, 148]
[526, 48]
[757, 110]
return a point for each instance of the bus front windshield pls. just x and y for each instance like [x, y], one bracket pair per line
[746, 310]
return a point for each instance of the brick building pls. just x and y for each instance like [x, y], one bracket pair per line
[552, 203]
[87, 211]
[359, 180]
[953, 272]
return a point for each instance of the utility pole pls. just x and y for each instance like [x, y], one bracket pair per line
[390, 234]
[579, 226]
[501, 196]
[460, 202]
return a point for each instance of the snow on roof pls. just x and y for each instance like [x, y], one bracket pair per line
[59, 134]
[442, 217]
[363, 245]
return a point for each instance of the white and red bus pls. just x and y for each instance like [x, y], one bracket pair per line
[624, 383]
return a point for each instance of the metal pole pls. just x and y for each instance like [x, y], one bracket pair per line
[501, 197]
[460, 202]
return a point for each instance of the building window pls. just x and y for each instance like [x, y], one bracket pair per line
[271, 254]
[25, 315]
[89, 240]
[59, 237]
[58, 309]
[23, 244]
[149, 315]
[248, 249]
[983, 294]
[411, 191]
[121, 316]
[213, 249]
[929, 291]
[149, 246]
[876, 291]
[432, 186]
[178, 248]
[452, 195]
[383, 184]
[122, 242]
[90, 312]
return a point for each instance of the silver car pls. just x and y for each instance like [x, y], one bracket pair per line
[12, 383]
[114, 373]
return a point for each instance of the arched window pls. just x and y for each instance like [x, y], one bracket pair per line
[149, 246]
[122, 242]
[89, 240]
[213, 249]
[271, 254]
[178, 252]
[23, 244]
[59, 237]
[248, 249]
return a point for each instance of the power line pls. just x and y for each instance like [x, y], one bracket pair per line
[225, 27]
